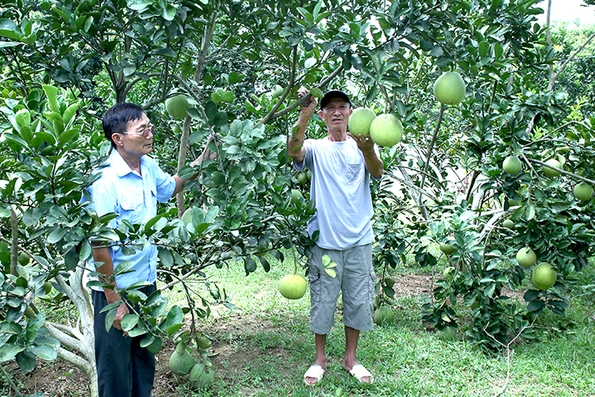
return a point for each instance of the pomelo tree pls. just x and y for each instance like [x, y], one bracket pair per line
[64, 63]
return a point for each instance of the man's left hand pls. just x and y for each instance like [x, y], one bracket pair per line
[365, 144]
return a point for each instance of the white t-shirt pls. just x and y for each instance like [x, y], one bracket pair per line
[340, 189]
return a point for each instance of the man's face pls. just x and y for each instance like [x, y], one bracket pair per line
[137, 140]
[336, 113]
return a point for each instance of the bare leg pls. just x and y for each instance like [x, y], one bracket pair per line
[320, 359]
[351, 339]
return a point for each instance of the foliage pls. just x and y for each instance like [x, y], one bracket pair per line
[64, 63]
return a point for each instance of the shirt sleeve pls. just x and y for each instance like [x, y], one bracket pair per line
[104, 198]
[165, 185]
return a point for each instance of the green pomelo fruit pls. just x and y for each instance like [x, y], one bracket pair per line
[544, 276]
[23, 259]
[508, 224]
[512, 165]
[583, 191]
[296, 196]
[447, 248]
[201, 376]
[47, 287]
[383, 316]
[181, 361]
[302, 178]
[292, 286]
[277, 91]
[177, 106]
[526, 257]
[360, 121]
[550, 170]
[448, 333]
[449, 88]
[386, 130]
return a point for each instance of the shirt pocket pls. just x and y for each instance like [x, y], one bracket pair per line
[354, 173]
[132, 208]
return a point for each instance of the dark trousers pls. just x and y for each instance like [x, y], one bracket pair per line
[124, 368]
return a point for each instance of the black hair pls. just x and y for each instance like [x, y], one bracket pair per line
[116, 119]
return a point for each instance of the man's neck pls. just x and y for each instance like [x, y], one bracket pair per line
[132, 161]
[338, 135]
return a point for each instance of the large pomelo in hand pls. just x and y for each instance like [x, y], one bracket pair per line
[292, 286]
[449, 88]
[544, 276]
[177, 106]
[386, 130]
[360, 121]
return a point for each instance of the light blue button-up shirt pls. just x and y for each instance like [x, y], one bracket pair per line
[134, 198]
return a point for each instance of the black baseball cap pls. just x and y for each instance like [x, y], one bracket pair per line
[333, 94]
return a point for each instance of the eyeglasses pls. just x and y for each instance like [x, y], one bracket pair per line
[144, 132]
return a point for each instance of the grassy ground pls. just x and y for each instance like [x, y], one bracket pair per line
[265, 346]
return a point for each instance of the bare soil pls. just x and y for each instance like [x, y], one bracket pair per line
[61, 379]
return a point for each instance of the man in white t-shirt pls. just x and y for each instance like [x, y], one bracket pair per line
[341, 166]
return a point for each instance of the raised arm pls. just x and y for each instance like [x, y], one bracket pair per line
[295, 147]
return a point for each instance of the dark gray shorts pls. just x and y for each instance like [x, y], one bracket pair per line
[354, 279]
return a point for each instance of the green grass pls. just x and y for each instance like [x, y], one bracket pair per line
[265, 347]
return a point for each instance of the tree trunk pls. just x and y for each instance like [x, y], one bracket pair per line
[78, 340]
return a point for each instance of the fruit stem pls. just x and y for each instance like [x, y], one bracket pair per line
[293, 249]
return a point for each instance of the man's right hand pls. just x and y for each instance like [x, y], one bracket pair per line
[120, 313]
[309, 106]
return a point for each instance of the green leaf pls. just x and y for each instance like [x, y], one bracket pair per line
[169, 12]
[317, 92]
[9, 351]
[67, 136]
[249, 265]
[109, 318]
[44, 352]
[139, 5]
[51, 93]
[26, 361]
[139, 330]
[129, 321]
[152, 343]
[331, 272]
[174, 320]
[56, 235]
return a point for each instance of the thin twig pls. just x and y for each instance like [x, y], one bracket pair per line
[507, 346]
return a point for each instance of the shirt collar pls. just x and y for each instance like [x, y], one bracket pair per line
[119, 164]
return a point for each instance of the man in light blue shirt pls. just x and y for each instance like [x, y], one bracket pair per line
[341, 166]
[131, 184]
